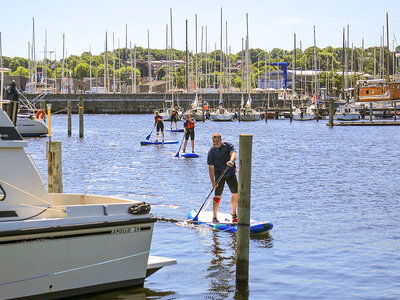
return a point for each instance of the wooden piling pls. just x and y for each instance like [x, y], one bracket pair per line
[244, 192]
[331, 112]
[49, 119]
[54, 167]
[395, 110]
[69, 117]
[370, 111]
[81, 111]
[266, 112]
[291, 112]
[202, 108]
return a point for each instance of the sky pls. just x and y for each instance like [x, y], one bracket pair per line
[272, 24]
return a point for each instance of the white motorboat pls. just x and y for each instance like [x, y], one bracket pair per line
[304, 113]
[55, 245]
[221, 114]
[28, 125]
[348, 112]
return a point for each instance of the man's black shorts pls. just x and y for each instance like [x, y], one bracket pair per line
[232, 184]
[173, 118]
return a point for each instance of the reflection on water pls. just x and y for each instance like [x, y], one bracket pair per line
[129, 293]
[222, 268]
[221, 271]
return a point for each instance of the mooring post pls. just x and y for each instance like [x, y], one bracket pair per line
[331, 101]
[395, 110]
[291, 112]
[54, 167]
[370, 111]
[266, 112]
[202, 108]
[49, 119]
[81, 111]
[69, 117]
[243, 231]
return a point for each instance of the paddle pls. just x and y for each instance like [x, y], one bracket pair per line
[195, 219]
[177, 154]
[148, 137]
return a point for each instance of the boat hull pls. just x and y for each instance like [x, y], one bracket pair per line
[29, 127]
[57, 263]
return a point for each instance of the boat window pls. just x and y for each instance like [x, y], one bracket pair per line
[2, 194]
[372, 92]
[367, 92]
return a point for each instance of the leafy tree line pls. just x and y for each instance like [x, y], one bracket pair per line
[328, 60]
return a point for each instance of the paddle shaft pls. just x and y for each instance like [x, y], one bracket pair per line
[177, 154]
[148, 137]
[218, 180]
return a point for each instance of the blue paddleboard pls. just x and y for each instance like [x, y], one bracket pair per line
[143, 143]
[174, 130]
[189, 155]
[226, 222]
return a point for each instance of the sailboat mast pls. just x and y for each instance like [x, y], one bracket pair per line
[134, 69]
[130, 52]
[388, 51]
[90, 68]
[172, 59]
[126, 58]
[315, 63]
[113, 42]
[294, 67]
[220, 65]
[63, 66]
[45, 62]
[195, 65]
[149, 58]
[187, 60]
[206, 61]
[247, 55]
[105, 67]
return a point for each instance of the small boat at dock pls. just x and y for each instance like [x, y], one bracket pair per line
[56, 245]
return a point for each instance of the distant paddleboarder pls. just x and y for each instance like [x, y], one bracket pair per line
[221, 155]
[189, 131]
[158, 121]
[174, 118]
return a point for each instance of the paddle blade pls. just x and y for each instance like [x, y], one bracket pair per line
[148, 137]
[177, 155]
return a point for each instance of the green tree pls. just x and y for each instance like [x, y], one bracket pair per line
[21, 71]
[82, 70]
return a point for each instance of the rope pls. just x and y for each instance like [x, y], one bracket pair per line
[74, 269]
[56, 112]
[33, 196]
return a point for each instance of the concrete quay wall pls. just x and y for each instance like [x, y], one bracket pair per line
[145, 103]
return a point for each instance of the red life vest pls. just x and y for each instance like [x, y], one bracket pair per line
[190, 124]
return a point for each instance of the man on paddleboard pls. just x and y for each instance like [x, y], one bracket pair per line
[158, 120]
[188, 127]
[221, 157]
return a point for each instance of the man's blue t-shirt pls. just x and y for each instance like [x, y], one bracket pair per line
[218, 157]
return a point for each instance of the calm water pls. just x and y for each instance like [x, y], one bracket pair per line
[332, 195]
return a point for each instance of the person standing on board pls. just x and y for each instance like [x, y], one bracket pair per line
[174, 118]
[189, 131]
[158, 120]
[221, 156]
